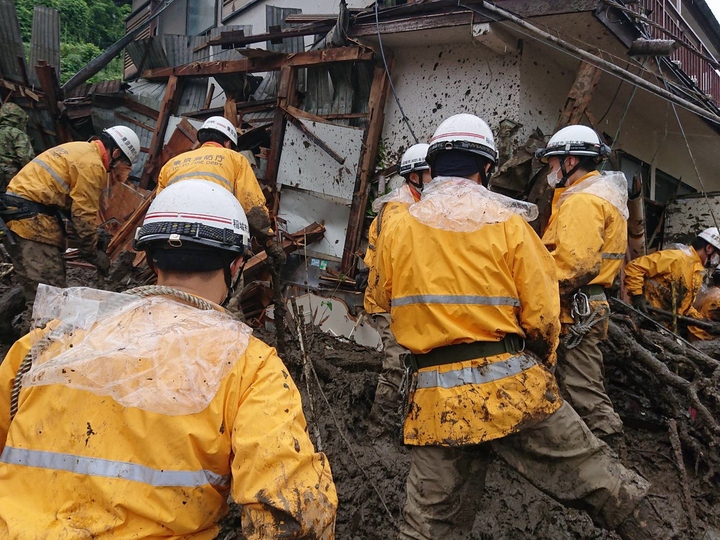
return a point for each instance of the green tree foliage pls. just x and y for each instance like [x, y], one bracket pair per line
[87, 28]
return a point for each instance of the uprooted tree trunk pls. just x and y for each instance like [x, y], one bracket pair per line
[676, 380]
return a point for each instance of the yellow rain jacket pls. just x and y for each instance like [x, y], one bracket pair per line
[670, 279]
[69, 176]
[215, 163]
[587, 238]
[75, 463]
[446, 287]
[404, 196]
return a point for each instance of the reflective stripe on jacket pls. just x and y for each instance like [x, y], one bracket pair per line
[70, 177]
[446, 287]
[380, 221]
[587, 238]
[75, 464]
[220, 165]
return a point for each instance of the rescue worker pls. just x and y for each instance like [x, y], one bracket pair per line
[16, 150]
[145, 410]
[708, 301]
[217, 161]
[670, 279]
[472, 293]
[63, 182]
[416, 172]
[587, 238]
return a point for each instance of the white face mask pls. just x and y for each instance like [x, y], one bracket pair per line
[714, 260]
[554, 178]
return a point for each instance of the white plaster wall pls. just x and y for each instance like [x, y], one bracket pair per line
[436, 82]
[545, 83]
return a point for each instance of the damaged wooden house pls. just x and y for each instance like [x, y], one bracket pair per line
[327, 95]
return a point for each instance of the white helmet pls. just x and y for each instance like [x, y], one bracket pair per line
[414, 159]
[195, 212]
[127, 141]
[465, 132]
[574, 140]
[221, 125]
[711, 236]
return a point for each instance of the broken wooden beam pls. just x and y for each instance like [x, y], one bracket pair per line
[308, 235]
[173, 91]
[376, 107]
[295, 121]
[266, 63]
[286, 97]
[234, 39]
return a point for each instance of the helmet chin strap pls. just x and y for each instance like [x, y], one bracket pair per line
[565, 173]
[232, 283]
[419, 186]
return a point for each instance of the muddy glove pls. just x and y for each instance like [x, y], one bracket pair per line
[640, 303]
[101, 262]
[361, 279]
[276, 255]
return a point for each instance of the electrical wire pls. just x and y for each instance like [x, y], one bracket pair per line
[387, 72]
[692, 156]
[612, 101]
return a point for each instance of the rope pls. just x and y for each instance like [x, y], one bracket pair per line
[577, 331]
[142, 292]
[160, 290]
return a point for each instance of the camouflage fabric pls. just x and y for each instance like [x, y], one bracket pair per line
[15, 147]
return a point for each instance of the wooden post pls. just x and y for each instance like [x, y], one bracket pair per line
[577, 102]
[51, 87]
[173, 91]
[286, 96]
[368, 156]
[230, 111]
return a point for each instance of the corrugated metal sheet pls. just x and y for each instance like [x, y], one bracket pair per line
[193, 95]
[177, 50]
[275, 16]
[11, 46]
[153, 91]
[228, 54]
[45, 43]
[147, 53]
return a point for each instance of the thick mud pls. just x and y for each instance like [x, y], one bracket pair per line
[366, 470]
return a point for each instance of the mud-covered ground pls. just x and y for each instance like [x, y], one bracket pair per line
[366, 469]
[370, 473]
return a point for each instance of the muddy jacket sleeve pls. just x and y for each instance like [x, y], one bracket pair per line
[579, 242]
[8, 370]
[660, 263]
[534, 273]
[285, 487]
[88, 180]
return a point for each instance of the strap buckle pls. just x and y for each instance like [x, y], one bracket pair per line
[580, 305]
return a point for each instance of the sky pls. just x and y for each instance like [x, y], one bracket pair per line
[715, 6]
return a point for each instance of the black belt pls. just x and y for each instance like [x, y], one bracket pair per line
[592, 290]
[511, 343]
[14, 207]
